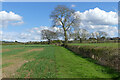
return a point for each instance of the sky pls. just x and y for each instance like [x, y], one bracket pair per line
[60, 0]
[23, 21]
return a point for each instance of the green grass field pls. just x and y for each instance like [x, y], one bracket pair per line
[49, 61]
[109, 45]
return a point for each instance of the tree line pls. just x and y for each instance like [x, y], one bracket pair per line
[69, 27]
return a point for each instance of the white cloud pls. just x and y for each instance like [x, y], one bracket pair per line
[37, 30]
[110, 30]
[9, 36]
[24, 35]
[9, 17]
[34, 34]
[1, 0]
[97, 16]
[99, 20]
[17, 23]
[1, 32]
[13, 36]
[73, 5]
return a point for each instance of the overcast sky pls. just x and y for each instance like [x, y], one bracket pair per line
[23, 21]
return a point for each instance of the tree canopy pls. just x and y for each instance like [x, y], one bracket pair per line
[64, 17]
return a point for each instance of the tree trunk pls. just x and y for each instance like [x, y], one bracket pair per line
[48, 41]
[66, 39]
[80, 40]
[97, 40]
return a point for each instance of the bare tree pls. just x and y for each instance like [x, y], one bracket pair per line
[100, 34]
[49, 35]
[64, 17]
[80, 34]
[92, 35]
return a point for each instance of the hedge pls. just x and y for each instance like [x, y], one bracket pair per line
[104, 55]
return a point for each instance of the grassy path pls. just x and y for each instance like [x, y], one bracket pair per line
[73, 66]
[44, 61]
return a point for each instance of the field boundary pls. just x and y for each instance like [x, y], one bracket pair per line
[103, 56]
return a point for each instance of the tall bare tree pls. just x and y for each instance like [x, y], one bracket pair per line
[49, 35]
[64, 17]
